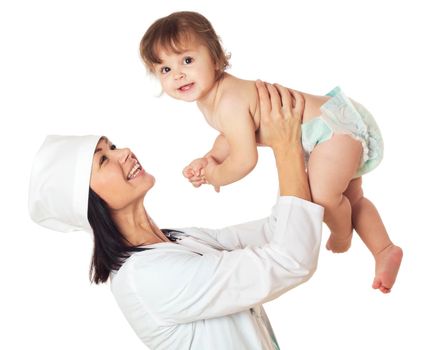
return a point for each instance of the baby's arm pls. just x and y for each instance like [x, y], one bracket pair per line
[238, 129]
[220, 149]
[218, 153]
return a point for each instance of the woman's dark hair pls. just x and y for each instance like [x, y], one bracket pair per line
[111, 248]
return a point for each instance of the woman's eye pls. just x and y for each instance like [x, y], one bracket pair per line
[103, 158]
[188, 60]
[165, 70]
[112, 147]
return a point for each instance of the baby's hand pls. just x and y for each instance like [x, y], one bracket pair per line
[208, 169]
[193, 172]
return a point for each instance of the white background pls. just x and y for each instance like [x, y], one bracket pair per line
[72, 67]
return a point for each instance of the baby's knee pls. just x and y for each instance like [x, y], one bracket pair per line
[328, 200]
[354, 192]
[355, 198]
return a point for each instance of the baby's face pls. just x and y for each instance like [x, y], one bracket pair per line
[187, 75]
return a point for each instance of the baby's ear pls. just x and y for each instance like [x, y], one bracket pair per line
[217, 66]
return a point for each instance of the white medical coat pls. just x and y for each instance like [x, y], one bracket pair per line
[206, 290]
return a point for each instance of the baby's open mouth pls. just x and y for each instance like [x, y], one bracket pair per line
[186, 87]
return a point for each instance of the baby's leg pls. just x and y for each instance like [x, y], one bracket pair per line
[331, 167]
[368, 224]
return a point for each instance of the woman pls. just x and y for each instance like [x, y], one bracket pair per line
[194, 288]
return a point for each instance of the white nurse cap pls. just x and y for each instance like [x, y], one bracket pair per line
[59, 183]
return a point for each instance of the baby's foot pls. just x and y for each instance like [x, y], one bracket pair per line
[339, 244]
[387, 264]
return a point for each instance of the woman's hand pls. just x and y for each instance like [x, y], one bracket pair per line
[280, 129]
[281, 116]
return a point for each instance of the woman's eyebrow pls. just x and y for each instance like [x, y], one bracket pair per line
[106, 140]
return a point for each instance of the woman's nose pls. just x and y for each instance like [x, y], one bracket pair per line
[123, 154]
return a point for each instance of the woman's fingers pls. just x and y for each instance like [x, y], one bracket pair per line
[286, 98]
[276, 103]
[299, 104]
[264, 98]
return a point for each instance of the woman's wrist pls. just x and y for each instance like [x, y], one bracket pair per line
[291, 172]
[288, 150]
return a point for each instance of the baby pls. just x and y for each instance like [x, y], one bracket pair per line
[340, 138]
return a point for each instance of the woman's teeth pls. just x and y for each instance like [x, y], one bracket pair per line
[134, 171]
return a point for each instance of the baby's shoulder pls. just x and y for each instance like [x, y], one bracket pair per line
[237, 95]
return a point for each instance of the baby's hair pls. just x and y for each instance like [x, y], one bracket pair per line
[174, 31]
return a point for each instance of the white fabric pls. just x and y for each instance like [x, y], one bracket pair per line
[59, 184]
[206, 291]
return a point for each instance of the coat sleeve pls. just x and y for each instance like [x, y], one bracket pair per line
[182, 287]
[249, 234]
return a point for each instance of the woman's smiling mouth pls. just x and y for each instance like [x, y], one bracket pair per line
[135, 170]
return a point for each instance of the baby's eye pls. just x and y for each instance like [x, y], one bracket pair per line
[188, 60]
[165, 70]
[112, 147]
